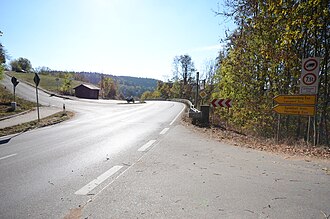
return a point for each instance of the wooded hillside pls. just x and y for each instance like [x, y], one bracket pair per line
[263, 58]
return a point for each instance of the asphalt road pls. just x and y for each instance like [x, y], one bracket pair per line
[190, 175]
[42, 170]
[117, 160]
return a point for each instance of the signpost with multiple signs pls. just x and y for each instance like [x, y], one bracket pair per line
[305, 103]
[295, 105]
[309, 79]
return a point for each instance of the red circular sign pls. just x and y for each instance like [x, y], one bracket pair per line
[310, 64]
[309, 79]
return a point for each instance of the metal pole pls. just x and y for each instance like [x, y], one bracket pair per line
[14, 93]
[37, 104]
[315, 134]
[278, 128]
[308, 129]
[197, 83]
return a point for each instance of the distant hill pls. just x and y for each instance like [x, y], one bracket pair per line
[128, 86]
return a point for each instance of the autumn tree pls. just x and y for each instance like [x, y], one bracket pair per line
[108, 88]
[263, 59]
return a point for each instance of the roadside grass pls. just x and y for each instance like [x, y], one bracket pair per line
[47, 81]
[50, 120]
[6, 97]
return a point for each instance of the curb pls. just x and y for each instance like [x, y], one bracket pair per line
[14, 115]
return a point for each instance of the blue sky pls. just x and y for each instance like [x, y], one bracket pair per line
[121, 37]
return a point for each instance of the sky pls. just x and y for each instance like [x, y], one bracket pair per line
[138, 38]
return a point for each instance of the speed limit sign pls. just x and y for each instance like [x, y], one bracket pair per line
[309, 79]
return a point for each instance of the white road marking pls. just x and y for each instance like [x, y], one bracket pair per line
[147, 145]
[177, 116]
[90, 186]
[164, 131]
[11, 155]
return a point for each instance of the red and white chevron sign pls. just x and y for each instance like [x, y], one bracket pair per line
[221, 102]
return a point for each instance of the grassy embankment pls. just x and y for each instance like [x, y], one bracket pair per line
[47, 81]
[6, 97]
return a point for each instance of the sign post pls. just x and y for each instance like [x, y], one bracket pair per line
[36, 80]
[309, 79]
[15, 82]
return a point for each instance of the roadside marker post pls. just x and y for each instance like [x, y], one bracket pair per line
[15, 82]
[36, 80]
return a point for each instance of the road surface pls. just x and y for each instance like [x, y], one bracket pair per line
[116, 160]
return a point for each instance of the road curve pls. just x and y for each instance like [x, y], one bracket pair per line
[43, 170]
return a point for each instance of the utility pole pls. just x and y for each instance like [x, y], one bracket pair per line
[197, 86]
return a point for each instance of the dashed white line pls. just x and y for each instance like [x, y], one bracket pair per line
[93, 184]
[11, 155]
[147, 145]
[164, 131]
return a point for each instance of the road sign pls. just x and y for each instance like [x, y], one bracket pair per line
[296, 99]
[221, 103]
[36, 79]
[309, 78]
[202, 94]
[14, 81]
[295, 110]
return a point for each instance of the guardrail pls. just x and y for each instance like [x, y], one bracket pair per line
[193, 112]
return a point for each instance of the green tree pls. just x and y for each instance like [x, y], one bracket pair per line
[108, 88]
[175, 90]
[164, 89]
[66, 87]
[21, 64]
[2, 58]
[2, 53]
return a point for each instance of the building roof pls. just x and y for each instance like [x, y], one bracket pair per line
[92, 87]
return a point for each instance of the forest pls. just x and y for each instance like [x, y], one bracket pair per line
[262, 59]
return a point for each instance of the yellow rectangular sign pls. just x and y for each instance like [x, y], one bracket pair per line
[296, 99]
[295, 110]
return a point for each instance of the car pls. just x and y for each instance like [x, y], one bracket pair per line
[129, 99]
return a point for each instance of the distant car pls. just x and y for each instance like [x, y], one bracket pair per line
[130, 99]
